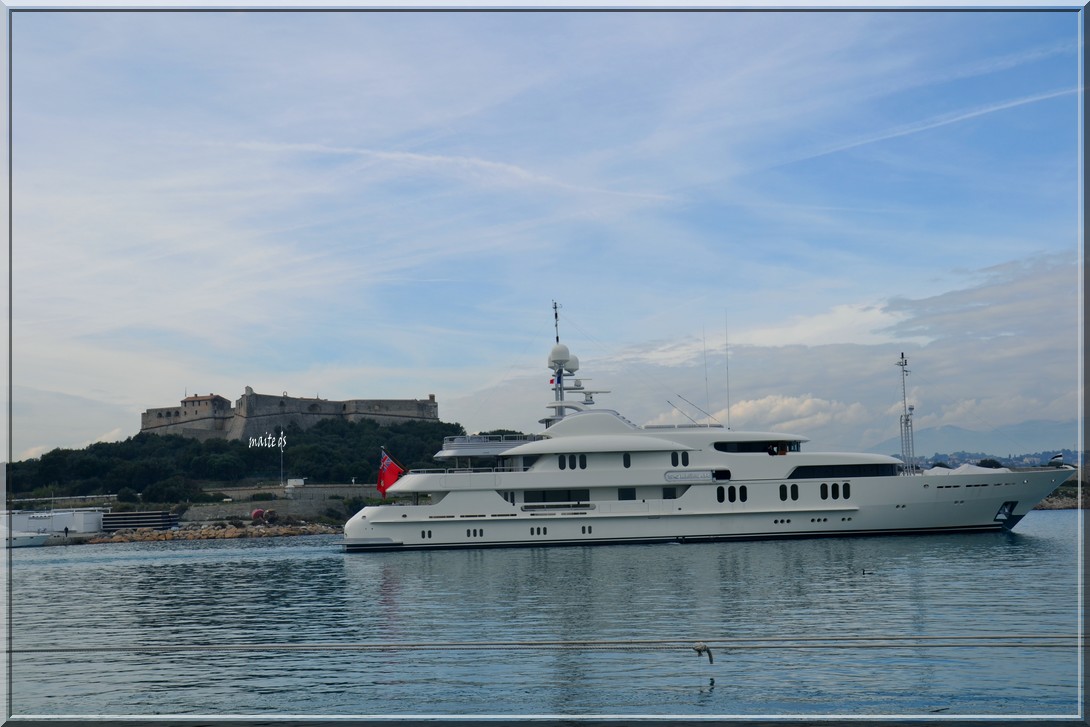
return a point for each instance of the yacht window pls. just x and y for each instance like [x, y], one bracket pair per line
[847, 490]
[720, 494]
[626, 493]
[582, 461]
[673, 459]
[563, 462]
[731, 493]
[571, 461]
[669, 493]
[824, 491]
[536, 496]
[844, 470]
[627, 459]
[758, 446]
[684, 459]
[836, 491]
[795, 492]
[783, 492]
[742, 493]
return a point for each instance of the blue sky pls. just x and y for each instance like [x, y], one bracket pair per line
[385, 205]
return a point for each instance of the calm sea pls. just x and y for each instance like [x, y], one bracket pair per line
[290, 626]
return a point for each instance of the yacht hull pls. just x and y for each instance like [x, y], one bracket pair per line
[471, 516]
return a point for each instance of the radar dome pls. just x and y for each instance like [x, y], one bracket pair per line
[559, 356]
[573, 364]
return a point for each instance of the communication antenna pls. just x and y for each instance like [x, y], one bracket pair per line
[726, 353]
[682, 412]
[697, 408]
[908, 445]
[556, 320]
[707, 392]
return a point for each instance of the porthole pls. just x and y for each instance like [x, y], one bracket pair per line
[731, 493]
[795, 492]
[684, 459]
[467, 532]
[783, 492]
[544, 531]
[847, 490]
[673, 459]
[582, 461]
[626, 458]
[571, 461]
[563, 462]
[824, 491]
[720, 493]
[836, 491]
[421, 534]
[742, 493]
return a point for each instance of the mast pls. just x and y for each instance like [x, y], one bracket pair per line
[908, 445]
[558, 359]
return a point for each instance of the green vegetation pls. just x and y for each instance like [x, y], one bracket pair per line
[152, 468]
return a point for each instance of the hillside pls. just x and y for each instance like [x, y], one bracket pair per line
[170, 468]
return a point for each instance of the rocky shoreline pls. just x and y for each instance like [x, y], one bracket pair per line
[214, 531]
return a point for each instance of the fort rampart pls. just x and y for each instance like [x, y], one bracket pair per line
[254, 415]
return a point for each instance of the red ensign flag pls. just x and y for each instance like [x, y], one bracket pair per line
[388, 472]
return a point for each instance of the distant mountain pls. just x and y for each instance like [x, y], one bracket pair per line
[1013, 439]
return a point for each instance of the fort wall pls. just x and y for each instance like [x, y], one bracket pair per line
[254, 415]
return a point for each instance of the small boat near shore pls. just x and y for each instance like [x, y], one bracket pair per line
[26, 540]
[592, 477]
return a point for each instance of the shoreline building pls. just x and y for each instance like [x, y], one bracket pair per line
[254, 415]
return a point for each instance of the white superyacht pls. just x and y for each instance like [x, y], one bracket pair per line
[592, 477]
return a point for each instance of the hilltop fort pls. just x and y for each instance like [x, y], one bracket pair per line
[255, 415]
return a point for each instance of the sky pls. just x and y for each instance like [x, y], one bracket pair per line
[744, 214]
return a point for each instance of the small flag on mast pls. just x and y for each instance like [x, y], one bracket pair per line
[388, 473]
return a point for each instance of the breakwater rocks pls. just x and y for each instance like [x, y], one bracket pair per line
[215, 531]
[1063, 502]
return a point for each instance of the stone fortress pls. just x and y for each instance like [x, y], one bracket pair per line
[255, 415]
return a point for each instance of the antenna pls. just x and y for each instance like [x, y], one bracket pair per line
[556, 320]
[682, 413]
[707, 392]
[697, 408]
[726, 353]
[908, 445]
